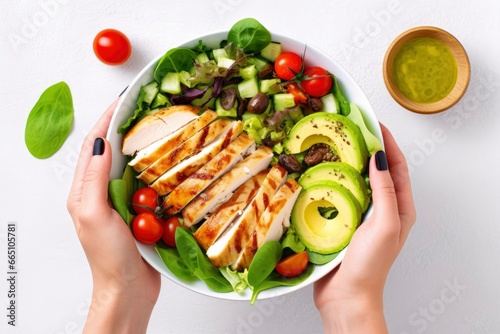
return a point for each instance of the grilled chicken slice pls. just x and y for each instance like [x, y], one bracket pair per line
[225, 250]
[156, 126]
[220, 191]
[178, 173]
[272, 224]
[188, 148]
[153, 152]
[206, 175]
[213, 227]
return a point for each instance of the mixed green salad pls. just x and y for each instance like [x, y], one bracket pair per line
[300, 114]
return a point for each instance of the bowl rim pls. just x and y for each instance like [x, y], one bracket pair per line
[126, 102]
[463, 69]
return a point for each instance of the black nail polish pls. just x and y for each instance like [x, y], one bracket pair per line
[381, 160]
[98, 146]
[123, 91]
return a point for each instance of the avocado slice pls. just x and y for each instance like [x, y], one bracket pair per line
[342, 174]
[336, 130]
[373, 144]
[321, 235]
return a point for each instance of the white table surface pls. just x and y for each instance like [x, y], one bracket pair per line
[445, 281]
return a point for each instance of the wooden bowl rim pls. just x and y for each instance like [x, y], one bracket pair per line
[463, 67]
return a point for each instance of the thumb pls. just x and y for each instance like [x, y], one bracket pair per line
[96, 179]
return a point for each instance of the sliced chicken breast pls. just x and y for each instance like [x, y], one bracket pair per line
[206, 175]
[178, 173]
[225, 250]
[188, 148]
[272, 224]
[221, 190]
[213, 227]
[156, 126]
[156, 150]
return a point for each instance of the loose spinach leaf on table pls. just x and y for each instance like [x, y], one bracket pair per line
[175, 60]
[49, 122]
[249, 35]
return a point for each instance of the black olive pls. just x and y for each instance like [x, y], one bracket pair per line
[258, 104]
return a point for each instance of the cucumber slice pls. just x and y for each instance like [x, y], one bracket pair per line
[330, 103]
[171, 83]
[150, 91]
[283, 101]
[248, 88]
[272, 51]
[248, 72]
[266, 84]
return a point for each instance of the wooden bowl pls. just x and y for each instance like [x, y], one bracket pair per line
[463, 70]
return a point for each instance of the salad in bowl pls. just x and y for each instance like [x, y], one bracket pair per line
[240, 162]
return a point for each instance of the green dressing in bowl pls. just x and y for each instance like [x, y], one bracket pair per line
[425, 70]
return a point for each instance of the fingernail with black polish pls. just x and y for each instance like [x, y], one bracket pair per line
[98, 146]
[123, 91]
[381, 160]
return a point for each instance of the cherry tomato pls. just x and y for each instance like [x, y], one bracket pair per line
[293, 265]
[298, 94]
[145, 200]
[287, 65]
[171, 224]
[319, 82]
[112, 47]
[147, 228]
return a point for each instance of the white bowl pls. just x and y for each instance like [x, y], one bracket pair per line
[127, 105]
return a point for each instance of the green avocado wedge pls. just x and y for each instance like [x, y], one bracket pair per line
[342, 174]
[373, 144]
[336, 130]
[319, 234]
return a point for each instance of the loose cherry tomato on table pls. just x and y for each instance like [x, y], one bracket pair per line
[145, 199]
[318, 82]
[293, 265]
[171, 224]
[287, 65]
[147, 228]
[112, 47]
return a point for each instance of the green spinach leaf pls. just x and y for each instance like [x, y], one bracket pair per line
[175, 264]
[275, 279]
[320, 259]
[249, 35]
[175, 60]
[345, 107]
[49, 122]
[264, 261]
[198, 262]
[121, 192]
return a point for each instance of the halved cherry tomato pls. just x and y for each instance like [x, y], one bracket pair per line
[112, 47]
[171, 224]
[147, 228]
[287, 65]
[318, 82]
[145, 199]
[293, 265]
[298, 94]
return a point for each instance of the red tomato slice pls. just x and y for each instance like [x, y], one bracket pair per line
[293, 265]
[318, 82]
[298, 95]
[112, 47]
